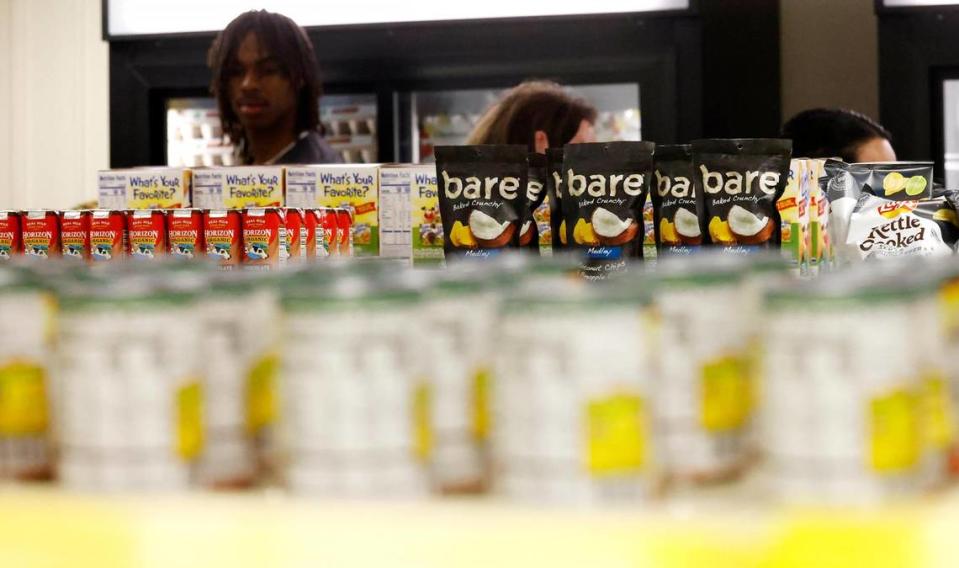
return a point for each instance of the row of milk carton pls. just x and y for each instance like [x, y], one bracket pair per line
[395, 206]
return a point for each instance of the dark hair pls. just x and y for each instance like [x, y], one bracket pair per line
[532, 106]
[831, 133]
[288, 43]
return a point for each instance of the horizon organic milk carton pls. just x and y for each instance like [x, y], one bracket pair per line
[355, 186]
[10, 243]
[185, 233]
[222, 234]
[147, 234]
[238, 188]
[264, 238]
[108, 231]
[144, 188]
[40, 233]
[75, 235]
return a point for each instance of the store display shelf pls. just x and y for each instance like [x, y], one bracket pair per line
[51, 527]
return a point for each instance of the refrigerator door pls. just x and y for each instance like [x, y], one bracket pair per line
[195, 136]
[950, 130]
[447, 117]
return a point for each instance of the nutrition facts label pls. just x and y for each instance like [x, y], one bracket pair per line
[395, 214]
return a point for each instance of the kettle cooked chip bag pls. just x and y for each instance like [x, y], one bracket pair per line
[482, 196]
[740, 181]
[677, 207]
[883, 228]
[605, 187]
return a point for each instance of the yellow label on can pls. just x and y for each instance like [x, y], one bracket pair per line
[189, 403]
[938, 418]
[616, 435]
[261, 393]
[422, 421]
[481, 404]
[726, 394]
[894, 432]
[23, 398]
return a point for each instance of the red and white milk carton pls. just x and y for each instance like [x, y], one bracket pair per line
[297, 236]
[75, 235]
[264, 238]
[146, 233]
[222, 233]
[108, 235]
[40, 234]
[185, 233]
[327, 234]
[10, 243]
[344, 225]
[310, 225]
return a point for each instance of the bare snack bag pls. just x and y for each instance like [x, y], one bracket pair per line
[677, 209]
[482, 194]
[529, 232]
[554, 192]
[740, 181]
[605, 189]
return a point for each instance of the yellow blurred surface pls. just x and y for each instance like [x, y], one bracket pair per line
[48, 527]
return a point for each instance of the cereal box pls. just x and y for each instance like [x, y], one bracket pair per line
[237, 188]
[395, 217]
[144, 188]
[427, 234]
[355, 186]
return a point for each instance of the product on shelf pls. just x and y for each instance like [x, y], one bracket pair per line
[239, 187]
[144, 188]
[574, 420]
[10, 232]
[428, 237]
[264, 238]
[355, 412]
[128, 395]
[606, 187]
[346, 230]
[108, 235]
[25, 413]
[327, 235]
[529, 231]
[793, 206]
[482, 195]
[677, 207]
[223, 235]
[40, 234]
[185, 233]
[354, 186]
[740, 181]
[75, 235]
[880, 228]
[297, 235]
[147, 234]
[820, 246]
[554, 197]
[395, 211]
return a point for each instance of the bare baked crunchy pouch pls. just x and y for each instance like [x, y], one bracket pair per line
[605, 187]
[554, 189]
[740, 181]
[482, 195]
[535, 195]
[677, 207]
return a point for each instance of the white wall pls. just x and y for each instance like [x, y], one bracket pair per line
[829, 55]
[54, 102]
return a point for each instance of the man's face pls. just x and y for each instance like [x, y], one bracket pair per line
[260, 92]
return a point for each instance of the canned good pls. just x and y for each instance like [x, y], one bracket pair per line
[703, 391]
[356, 413]
[75, 235]
[264, 238]
[574, 398]
[844, 420]
[130, 401]
[147, 234]
[185, 233]
[222, 233]
[10, 231]
[40, 234]
[25, 351]
[108, 235]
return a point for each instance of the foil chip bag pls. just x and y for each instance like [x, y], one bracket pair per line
[677, 209]
[884, 228]
[482, 196]
[605, 189]
[900, 181]
[554, 196]
[529, 234]
[740, 181]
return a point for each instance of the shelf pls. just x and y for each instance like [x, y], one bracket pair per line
[48, 527]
